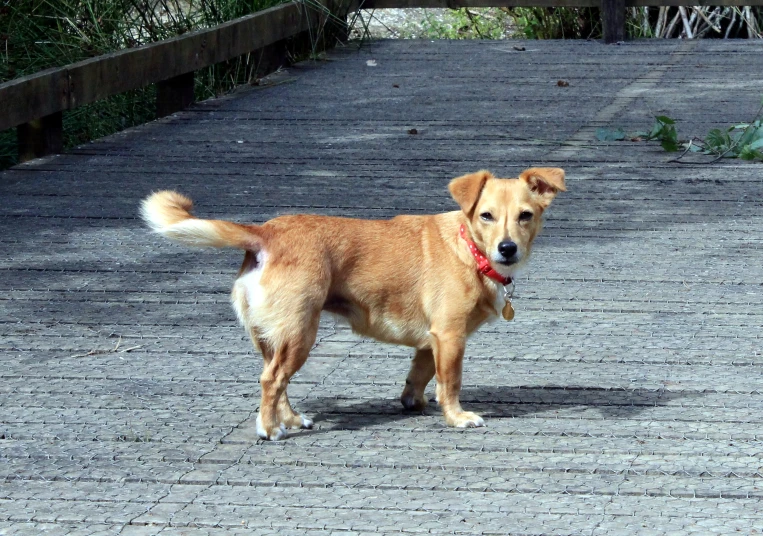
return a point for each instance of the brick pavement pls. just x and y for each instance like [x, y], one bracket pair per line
[625, 398]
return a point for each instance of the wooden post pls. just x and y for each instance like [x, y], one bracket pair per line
[174, 94]
[613, 20]
[268, 59]
[41, 137]
[337, 23]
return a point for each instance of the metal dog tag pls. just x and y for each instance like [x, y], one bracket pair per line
[508, 309]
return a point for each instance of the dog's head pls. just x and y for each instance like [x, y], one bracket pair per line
[505, 215]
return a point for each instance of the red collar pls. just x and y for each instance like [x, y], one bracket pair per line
[483, 264]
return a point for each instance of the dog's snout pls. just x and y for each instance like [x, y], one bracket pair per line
[507, 248]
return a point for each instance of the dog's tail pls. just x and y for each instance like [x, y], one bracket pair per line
[169, 213]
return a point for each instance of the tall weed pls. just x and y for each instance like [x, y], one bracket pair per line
[557, 23]
[662, 22]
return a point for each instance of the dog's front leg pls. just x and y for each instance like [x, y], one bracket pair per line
[449, 357]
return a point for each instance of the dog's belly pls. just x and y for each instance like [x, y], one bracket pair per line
[384, 327]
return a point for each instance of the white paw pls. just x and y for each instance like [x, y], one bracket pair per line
[263, 434]
[306, 423]
[469, 420]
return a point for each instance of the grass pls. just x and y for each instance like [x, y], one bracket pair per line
[469, 23]
[39, 34]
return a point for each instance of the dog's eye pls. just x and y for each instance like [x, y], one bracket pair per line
[525, 215]
[486, 216]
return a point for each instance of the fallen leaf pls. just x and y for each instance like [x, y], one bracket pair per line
[610, 134]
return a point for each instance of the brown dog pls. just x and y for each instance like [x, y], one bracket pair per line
[421, 281]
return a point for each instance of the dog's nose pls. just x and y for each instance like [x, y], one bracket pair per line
[507, 248]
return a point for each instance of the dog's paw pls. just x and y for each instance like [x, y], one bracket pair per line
[277, 434]
[306, 424]
[467, 419]
[413, 403]
[296, 421]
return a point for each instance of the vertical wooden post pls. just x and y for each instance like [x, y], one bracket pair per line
[336, 27]
[41, 137]
[268, 59]
[613, 20]
[174, 94]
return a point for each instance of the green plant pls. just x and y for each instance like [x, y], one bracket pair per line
[467, 23]
[664, 131]
[557, 23]
[743, 141]
[739, 141]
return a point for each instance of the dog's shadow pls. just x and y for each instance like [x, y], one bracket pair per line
[609, 402]
[498, 402]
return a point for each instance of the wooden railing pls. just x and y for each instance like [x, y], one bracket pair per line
[34, 103]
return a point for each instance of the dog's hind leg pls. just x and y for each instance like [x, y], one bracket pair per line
[421, 373]
[286, 414]
[276, 415]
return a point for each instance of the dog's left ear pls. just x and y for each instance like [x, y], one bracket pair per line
[466, 190]
[545, 183]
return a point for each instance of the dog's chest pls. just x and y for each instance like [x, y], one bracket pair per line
[498, 300]
[492, 303]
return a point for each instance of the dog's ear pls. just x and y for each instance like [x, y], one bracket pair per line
[545, 183]
[466, 190]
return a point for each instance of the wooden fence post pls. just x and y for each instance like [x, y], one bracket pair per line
[340, 10]
[613, 20]
[41, 137]
[174, 94]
